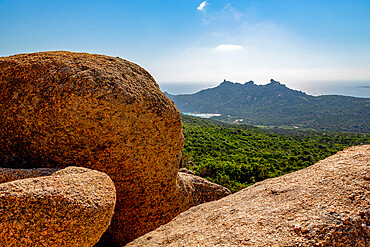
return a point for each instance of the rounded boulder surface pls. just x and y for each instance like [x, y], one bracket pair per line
[59, 109]
[326, 204]
[71, 207]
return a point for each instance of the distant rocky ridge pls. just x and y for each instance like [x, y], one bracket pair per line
[274, 104]
[60, 109]
[327, 204]
[68, 207]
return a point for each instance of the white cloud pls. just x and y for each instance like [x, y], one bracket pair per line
[228, 47]
[202, 5]
[237, 47]
[226, 16]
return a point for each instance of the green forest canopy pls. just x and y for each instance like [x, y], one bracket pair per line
[236, 156]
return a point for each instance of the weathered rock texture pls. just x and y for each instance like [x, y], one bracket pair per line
[59, 109]
[327, 204]
[201, 190]
[71, 207]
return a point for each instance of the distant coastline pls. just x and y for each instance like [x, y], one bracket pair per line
[202, 115]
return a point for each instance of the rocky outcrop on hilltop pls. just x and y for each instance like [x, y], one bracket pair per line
[327, 204]
[274, 104]
[71, 207]
[59, 109]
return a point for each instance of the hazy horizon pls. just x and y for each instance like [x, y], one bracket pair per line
[354, 88]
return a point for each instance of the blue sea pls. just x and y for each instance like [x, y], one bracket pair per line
[202, 115]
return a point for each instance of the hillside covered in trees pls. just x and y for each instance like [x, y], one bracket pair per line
[276, 105]
[236, 156]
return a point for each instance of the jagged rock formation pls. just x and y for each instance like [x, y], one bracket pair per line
[327, 204]
[71, 207]
[59, 109]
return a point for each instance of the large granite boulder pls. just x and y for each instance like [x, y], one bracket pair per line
[59, 109]
[327, 204]
[71, 207]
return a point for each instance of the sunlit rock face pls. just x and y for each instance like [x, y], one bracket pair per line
[59, 109]
[68, 207]
[326, 204]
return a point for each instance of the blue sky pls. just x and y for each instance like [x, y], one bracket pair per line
[295, 42]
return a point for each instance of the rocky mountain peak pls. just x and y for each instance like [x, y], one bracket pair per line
[275, 83]
[225, 82]
[249, 83]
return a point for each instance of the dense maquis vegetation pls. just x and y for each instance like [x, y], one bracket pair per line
[236, 156]
[275, 104]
